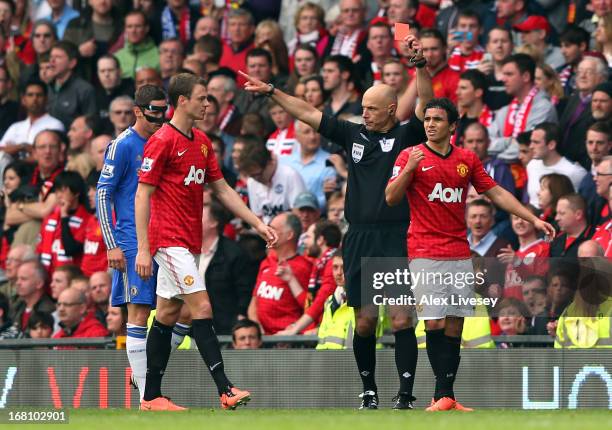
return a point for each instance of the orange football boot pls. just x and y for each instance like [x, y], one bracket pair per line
[443, 404]
[234, 398]
[160, 404]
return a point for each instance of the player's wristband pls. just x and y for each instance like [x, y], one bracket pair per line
[270, 92]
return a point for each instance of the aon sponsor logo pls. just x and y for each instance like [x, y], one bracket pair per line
[268, 291]
[90, 248]
[446, 195]
[195, 175]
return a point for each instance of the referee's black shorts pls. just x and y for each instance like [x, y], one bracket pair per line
[369, 240]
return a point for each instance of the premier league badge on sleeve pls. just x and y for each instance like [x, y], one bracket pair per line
[357, 152]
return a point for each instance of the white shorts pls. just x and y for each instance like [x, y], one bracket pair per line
[178, 273]
[443, 288]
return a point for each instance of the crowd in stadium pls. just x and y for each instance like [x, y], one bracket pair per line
[530, 78]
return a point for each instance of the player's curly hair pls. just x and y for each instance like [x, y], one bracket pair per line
[445, 104]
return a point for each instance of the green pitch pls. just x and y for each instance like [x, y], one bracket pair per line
[334, 419]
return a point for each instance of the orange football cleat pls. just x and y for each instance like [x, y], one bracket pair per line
[443, 404]
[234, 398]
[460, 407]
[160, 404]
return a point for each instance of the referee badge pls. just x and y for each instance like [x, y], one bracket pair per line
[386, 144]
[357, 152]
[462, 170]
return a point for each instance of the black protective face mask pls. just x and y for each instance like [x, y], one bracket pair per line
[154, 119]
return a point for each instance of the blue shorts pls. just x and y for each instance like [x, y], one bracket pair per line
[128, 287]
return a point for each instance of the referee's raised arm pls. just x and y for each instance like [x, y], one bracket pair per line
[298, 108]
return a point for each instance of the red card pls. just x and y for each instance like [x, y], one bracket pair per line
[401, 31]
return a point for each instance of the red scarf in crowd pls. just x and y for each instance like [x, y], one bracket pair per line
[516, 119]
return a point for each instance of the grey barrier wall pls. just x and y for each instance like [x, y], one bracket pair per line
[520, 378]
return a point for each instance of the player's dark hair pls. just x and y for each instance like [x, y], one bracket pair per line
[74, 182]
[69, 48]
[480, 203]
[446, 105]
[524, 63]
[603, 127]
[524, 138]
[245, 323]
[260, 52]
[551, 131]
[256, 155]
[330, 233]
[574, 35]
[182, 84]
[469, 13]
[40, 318]
[433, 33]
[476, 78]
[147, 93]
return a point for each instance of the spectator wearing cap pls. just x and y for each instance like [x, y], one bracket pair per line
[241, 30]
[224, 266]
[139, 48]
[74, 319]
[574, 43]
[224, 89]
[601, 102]
[534, 31]
[272, 187]
[306, 208]
[576, 117]
[310, 161]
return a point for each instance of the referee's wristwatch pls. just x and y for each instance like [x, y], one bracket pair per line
[270, 92]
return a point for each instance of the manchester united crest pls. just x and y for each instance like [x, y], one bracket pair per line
[188, 280]
[204, 150]
[462, 170]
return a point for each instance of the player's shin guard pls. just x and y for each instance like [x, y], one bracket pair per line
[136, 347]
[364, 349]
[178, 334]
[158, 353]
[406, 354]
[208, 344]
[436, 347]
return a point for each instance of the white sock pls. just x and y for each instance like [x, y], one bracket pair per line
[136, 346]
[178, 334]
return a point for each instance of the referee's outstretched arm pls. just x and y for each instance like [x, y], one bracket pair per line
[298, 108]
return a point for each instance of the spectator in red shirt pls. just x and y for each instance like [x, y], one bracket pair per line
[466, 52]
[94, 248]
[62, 232]
[321, 241]
[241, 28]
[281, 287]
[443, 79]
[75, 321]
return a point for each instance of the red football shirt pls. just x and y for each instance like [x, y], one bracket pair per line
[460, 63]
[445, 83]
[530, 260]
[276, 306]
[94, 249]
[436, 197]
[178, 166]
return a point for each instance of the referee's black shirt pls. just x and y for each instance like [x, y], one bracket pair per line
[370, 158]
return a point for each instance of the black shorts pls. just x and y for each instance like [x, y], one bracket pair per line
[369, 240]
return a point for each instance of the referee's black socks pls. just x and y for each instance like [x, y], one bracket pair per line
[406, 354]
[158, 353]
[208, 345]
[364, 349]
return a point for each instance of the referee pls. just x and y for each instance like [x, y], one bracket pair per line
[375, 229]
